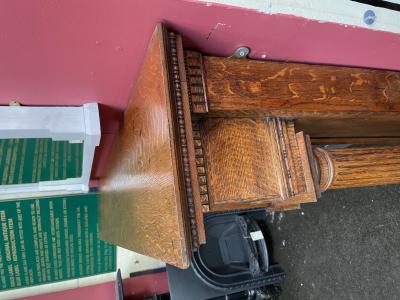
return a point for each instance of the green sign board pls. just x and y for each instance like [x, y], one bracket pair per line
[51, 239]
[35, 160]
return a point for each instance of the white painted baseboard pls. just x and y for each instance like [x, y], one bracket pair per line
[344, 12]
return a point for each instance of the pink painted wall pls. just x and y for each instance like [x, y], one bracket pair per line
[104, 291]
[135, 288]
[68, 52]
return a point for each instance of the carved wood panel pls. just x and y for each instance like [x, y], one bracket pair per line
[255, 163]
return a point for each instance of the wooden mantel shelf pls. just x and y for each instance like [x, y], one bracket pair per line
[205, 134]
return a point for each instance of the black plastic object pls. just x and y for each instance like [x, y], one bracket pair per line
[119, 290]
[270, 292]
[231, 258]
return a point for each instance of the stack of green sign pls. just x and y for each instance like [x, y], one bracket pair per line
[52, 238]
[35, 160]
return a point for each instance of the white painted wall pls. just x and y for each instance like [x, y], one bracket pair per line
[339, 11]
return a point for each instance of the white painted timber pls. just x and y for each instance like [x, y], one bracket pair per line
[75, 124]
[344, 12]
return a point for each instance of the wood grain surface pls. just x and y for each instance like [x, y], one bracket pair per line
[240, 161]
[347, 130]
[141, 205]
[240, 84]
[255, 163]
[363, 166]
[326, 101]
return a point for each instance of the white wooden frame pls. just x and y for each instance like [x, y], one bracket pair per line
[344, 12]
[75, 124]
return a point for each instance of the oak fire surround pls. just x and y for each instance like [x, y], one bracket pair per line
[205, 134]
